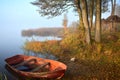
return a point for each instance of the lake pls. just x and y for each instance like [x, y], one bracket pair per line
[11, 44]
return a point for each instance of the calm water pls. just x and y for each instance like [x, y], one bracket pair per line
[11, 45]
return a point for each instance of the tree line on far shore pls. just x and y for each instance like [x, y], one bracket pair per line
[58, 32]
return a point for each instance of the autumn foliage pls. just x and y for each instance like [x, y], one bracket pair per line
[94, 62]
[49, 46]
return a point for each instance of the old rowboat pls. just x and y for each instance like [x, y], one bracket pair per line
[34, 67]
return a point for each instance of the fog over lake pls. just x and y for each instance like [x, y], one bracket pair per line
[11, 44]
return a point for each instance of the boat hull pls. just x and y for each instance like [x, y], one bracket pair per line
[56, 70]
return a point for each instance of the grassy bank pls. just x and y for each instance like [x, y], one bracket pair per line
[94, 62]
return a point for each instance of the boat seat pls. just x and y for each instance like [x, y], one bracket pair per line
[58, 68]
[25, 62]
[40, 67]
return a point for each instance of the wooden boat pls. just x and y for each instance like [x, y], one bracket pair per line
[34, 67]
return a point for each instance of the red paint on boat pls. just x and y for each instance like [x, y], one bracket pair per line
[56, 69]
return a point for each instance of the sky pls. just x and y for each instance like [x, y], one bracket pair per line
[17, 15]
[20, 14]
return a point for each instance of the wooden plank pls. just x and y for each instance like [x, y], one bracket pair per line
[24, 62]
[40, 67]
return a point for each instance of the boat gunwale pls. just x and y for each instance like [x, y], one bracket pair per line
[41, 74]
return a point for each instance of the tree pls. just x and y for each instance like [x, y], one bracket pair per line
[91, 8]
[85, 21]
[52, 8]
[117, 10]
[98, 21]
[113, 3]
[65, 23]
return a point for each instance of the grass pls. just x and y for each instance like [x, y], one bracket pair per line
[3, 76]
[92, 69]
[94, 62]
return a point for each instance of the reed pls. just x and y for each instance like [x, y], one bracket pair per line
[3, 76]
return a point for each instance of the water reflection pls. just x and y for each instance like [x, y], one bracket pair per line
[40, 38]
[45, 55]
[14, 46]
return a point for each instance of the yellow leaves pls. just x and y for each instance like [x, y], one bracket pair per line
[108, 52]
[99, 48]
[34, 46]
[52, 42]
[50, 46]
[71, 42]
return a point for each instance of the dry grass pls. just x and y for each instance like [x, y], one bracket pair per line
[92, 69]
[95, 62]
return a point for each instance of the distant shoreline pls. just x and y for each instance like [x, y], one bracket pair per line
[57, 32]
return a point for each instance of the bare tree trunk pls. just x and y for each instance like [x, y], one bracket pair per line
[85, 21]
[77, 3]
[91, 13]
[81, 25]
[65, 22]
[114, 6]
[117, 10]
[113, 3]
[98, 21]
